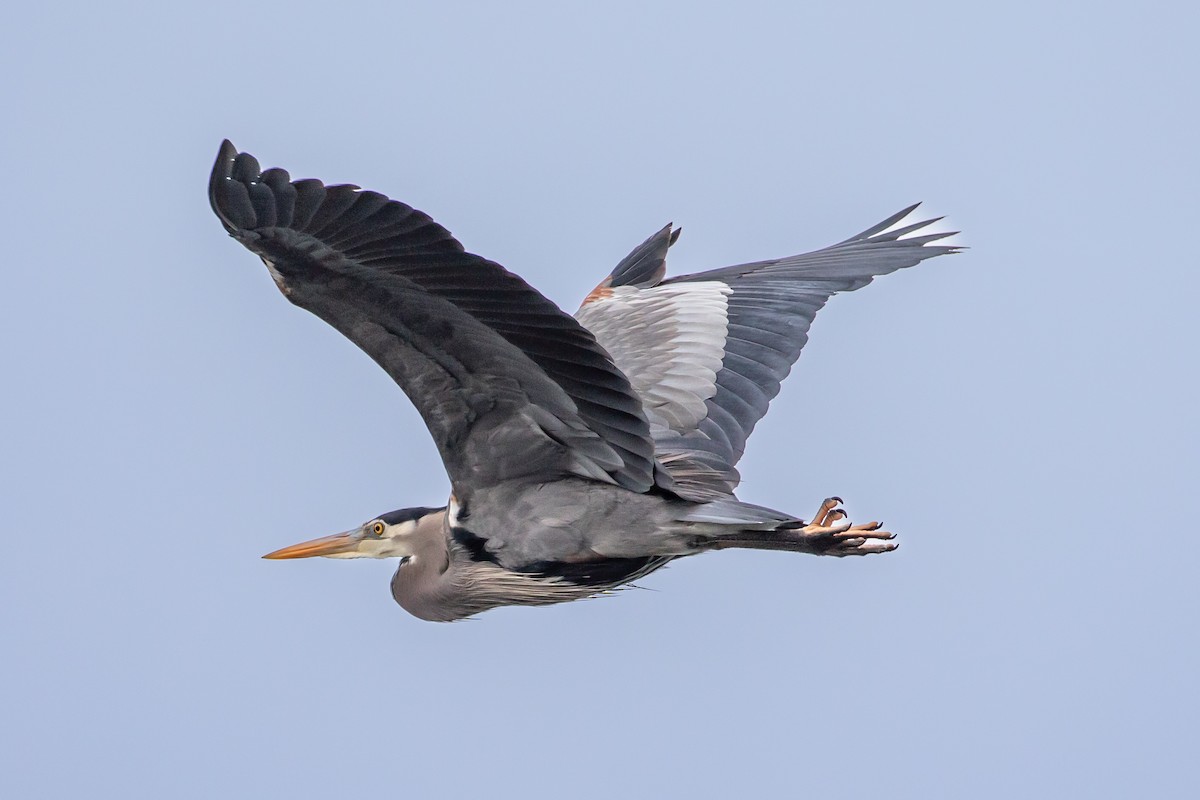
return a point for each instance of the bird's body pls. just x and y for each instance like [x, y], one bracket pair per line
[583, 453]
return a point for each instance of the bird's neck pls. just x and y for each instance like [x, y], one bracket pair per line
[422, 584]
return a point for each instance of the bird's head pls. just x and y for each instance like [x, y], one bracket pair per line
[390, 535]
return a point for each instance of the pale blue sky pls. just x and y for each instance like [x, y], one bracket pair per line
[1023, 414]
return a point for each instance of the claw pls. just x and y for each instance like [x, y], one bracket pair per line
[821, 518]
[866, 549]
[831, 533]
[879, 548]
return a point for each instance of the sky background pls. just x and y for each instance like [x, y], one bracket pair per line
[1023, 415]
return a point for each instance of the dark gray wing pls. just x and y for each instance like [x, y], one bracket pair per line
[645, 266]
[753, 319]
[509, 385]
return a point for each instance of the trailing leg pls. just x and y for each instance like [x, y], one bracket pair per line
[829, 534]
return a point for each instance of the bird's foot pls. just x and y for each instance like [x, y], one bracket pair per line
[831, 534]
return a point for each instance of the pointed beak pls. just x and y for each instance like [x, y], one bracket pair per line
[337, 545]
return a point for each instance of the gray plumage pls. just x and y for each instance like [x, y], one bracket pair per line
[767, 308]
[583, 452]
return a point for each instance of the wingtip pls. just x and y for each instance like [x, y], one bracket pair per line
[919, 233]
[221, 171]
[890, 222]
[226, 156]
[227, 197]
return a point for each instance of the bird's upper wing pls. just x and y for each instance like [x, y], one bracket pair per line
[509, 385]
[707, 352]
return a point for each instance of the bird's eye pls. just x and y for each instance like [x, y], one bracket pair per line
[377, 528]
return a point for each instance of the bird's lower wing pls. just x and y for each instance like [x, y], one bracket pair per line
[707, 352]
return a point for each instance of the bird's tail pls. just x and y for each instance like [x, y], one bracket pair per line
[736, 515]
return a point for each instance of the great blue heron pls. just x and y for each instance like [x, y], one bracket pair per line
[583, 452]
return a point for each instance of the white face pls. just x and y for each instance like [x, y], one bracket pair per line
[381, 540]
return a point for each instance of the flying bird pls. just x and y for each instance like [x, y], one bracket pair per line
[583, 452]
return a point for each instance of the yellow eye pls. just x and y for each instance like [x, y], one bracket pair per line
[377, 528]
